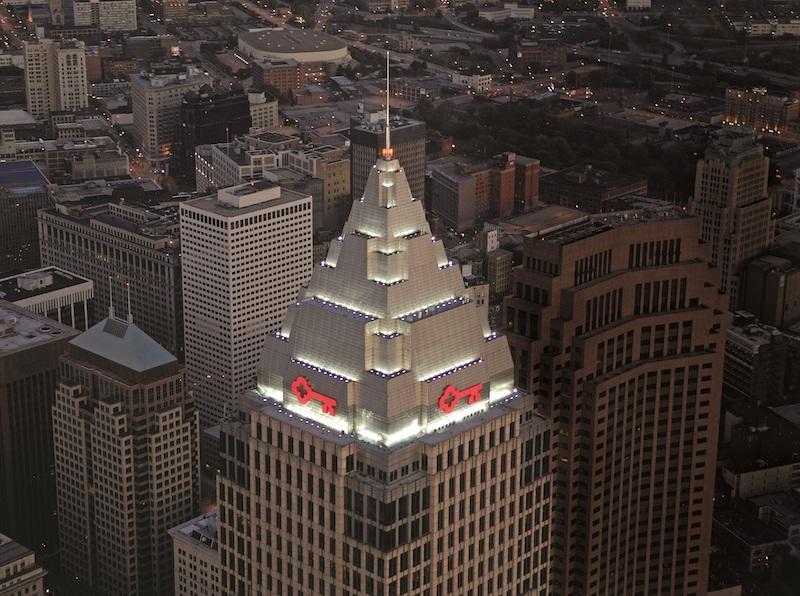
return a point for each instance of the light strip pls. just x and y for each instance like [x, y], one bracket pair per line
[449, 371]
[337, 423]
[319, 369]
[457, 416]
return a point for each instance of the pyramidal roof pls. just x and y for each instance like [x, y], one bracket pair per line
[125, 344]
[386, 343]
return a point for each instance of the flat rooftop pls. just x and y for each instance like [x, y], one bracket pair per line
[21, 329]
[591, 178]
[21, 173]
[790, 413]
[16, 118]
[45, 280]
[597, 224]
[541, 218]
[11, 550]
[212, 204]
[289, 41]
[201, 531]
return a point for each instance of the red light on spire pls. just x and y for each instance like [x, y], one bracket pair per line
[451, 396]
[304, 394]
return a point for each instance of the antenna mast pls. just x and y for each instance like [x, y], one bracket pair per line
[387, 152]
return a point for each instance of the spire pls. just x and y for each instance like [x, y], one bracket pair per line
[130, 314]
[387, 153]
[110, 299]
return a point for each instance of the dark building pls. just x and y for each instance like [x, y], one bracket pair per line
[772, 286]
[30, 346]
[23, 190]
[209, 116]
[408, 141]
[587, 188]
[617, 325]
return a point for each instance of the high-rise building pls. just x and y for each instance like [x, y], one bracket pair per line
[366, 141]
[107, 15]
[209, 116]
[55, 76]
[130, 242]
[19, 573]
[195, 550]
[385, 450]
[730, 197]
[156, 100]
[618, 326]
[23, 191]
[30, 345]
[126, 450]
[246, 251]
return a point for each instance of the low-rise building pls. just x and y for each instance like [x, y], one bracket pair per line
[283, 75]
[479, 82]
[196, 556]
[54, 293]
[20, 574]
[587, 188]
[753, 479]
[758, 109]
[542, 53]
[747, 541]
[509, 10]
[263, 111]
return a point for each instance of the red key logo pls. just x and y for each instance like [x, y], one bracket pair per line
[304, 393]
[451, 396]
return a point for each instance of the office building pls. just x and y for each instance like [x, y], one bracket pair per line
[20, 575]
[285, 76]
[730, 197]
[172, 11]
[618, 326]
[156, 98]
[55, 76]
[195, 550]
[539, 53]
[52, 293]
[23, 191]
[106, 15]
[366, 141]
[758, 109]
[30, 346]
[209, 116]
[771, 288]
[263, 111]
[588, 189]
[332, 167]
[385, 449]
[129, 242]
[126, 451]
[246, 252]
[65, 161]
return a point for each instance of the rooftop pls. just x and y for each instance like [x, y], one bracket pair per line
[750, 530]
[598, 224]
[287, 41]
[35, 283]
[541, 218]
[201, 531]
[790, 413]
[222, 203]
[21, 173]
[69, 193]
[21, 329]
[11, 551]
[123, 343]
[16, 118]
[591, 178]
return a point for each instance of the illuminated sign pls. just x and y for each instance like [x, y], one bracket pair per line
[451, 396]
[304, 394]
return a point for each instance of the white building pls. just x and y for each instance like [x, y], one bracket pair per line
[385, 436]
[156, 100]
[195, 552]
[20, 575]
[55, 76]
[246, 251]
[474, 82]
[263, 111]
[509, 10]
[637, 4]
[108, 15]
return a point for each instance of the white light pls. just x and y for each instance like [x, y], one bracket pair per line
[412, 430]
[336, 423]
[458, 415]
[270, 392]
[369, 436]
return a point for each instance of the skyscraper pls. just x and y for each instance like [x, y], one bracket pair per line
[367, 140]
[617, 325]
[55, 76]
[126, 449]
[385, 450]
[730, 197]
[246, 252]
[30, 345]
[156, 99]
[23, 191]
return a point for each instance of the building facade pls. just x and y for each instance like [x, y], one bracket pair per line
[366, 141]
[246, 253]
[617, 325]
[126, 451]
[757, 109]
[263, 111]
[127, 244]
[730, 197]
[20, 575]
[587, 188]
[23, 191]
[30, 346]
[55, 76]
[195, 551]
[156, 99]
[107, 15]
[399, 458]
